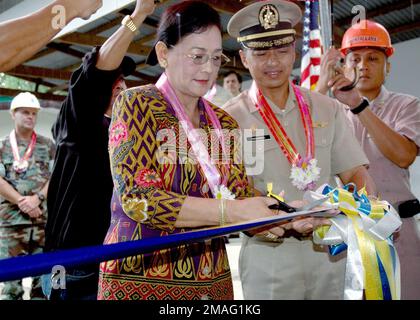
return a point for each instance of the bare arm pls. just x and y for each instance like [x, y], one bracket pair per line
[361, 178]
[8, 192]
[114, 49]
[21, 38]
[394, 146]
[192, 213]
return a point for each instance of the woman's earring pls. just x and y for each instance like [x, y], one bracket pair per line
[164, 64]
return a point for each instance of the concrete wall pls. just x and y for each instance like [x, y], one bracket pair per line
[404, 77]
[405, 68]
[46, 117]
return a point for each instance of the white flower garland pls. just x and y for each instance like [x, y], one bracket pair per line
[222, 192]
[305, 175]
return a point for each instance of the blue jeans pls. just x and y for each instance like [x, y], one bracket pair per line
[80, 284]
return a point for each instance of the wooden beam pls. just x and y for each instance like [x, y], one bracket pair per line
[72, 67]
[90, 40]
[61, 87]
[82, 39]
[36, 72]
[142, 65]
[106, 26]
[404, 28]
[151, 22]
[65, 48]
[38, 80]
[42, 96]
[33, 73]
[42, 53]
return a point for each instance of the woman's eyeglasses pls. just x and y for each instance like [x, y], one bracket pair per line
[202, 58]
[217, 60]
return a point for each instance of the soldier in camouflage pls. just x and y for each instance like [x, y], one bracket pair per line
[25, 167]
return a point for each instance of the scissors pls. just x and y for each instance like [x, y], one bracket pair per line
[289, 209]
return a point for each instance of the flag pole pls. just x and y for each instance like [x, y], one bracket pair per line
[326, 20]
[325, 8]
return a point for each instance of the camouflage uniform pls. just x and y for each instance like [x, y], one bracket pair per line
[20, 234]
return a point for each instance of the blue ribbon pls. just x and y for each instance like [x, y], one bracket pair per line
[386, 290]
[38, 264]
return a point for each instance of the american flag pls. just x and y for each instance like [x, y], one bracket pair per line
[311, 47]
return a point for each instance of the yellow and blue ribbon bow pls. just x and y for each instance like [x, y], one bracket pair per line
[364, 228]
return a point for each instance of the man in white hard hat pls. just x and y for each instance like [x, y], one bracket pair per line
[25, 167]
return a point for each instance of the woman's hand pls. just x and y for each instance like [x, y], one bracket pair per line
[255, 208]
[143, 8]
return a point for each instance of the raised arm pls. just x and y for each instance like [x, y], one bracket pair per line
[114, 49]
[21, 38]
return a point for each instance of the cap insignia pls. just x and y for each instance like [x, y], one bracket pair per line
[269, 16]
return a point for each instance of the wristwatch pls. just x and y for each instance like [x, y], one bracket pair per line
[128, 22]
[41, 197]
[361, 107]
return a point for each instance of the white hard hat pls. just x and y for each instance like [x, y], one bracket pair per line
[25, 100]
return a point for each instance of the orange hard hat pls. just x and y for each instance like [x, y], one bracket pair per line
[367, 33]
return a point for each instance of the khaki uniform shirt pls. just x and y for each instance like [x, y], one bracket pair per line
[336, 148]
[402, 114]
[26, 183]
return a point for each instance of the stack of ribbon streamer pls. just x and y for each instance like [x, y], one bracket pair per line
[365, 229]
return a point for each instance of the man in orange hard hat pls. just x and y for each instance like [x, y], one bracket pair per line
[387, 124]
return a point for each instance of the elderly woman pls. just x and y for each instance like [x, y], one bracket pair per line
[164, 179]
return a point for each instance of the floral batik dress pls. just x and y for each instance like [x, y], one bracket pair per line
[153, 173]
